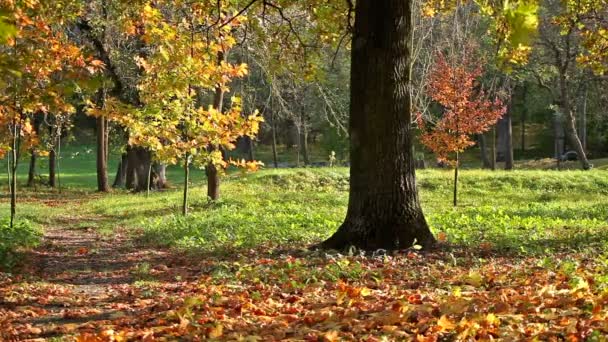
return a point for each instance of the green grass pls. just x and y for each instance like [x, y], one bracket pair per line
[528, 211]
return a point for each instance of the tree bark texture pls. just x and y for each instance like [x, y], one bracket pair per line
[213, 177]
[384, 211]
[508, 153]
[485, 160]
[102, 162]
[121, 172]
[570, 124]
[52, 168]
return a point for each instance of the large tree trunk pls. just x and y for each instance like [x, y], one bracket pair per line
[132, 160]
[121, 172]
[570, 125]
[102, 162]
[160, 173]
[141, 160]
[383, 209]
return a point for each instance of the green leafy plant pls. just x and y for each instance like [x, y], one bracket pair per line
[21, 234]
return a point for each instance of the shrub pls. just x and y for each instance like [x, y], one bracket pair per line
[22, 234]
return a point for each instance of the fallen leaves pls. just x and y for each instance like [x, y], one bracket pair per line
[259, 296]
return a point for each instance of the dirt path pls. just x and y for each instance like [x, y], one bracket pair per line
[80, 281]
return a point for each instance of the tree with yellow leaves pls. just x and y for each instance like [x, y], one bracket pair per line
[186, 69]
[42, 69]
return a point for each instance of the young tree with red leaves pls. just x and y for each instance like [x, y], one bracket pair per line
[466, 111]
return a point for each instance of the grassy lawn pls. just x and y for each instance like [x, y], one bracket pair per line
[526, 210]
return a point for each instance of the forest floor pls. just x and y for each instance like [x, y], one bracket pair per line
[528, 262]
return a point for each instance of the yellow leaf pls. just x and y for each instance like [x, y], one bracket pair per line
[492, 319]
[474, 279]
[366, 292]
[331, 336]
[216, 332]
[445, 324]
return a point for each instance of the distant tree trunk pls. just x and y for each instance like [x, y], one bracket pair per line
[508, 141]
[524, 114]
[121, 172]
[131, 178]
[298, 145]
[558, 134]
[481, 139]
[213, 177]
[141, 160]
[186, 184]
[304, 145]
[102, 162]
[13, 163]
[251, 156]
[383, 208]
[160, 170]
[493, 154]
[583, 125]
[456, 179]
[52, 168]
[570, 124]
[275, 158]
[31, 175]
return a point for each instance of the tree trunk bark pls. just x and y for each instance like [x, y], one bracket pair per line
[508, 141]
[131, 177]
[524, 114]
[142, 168]
[275, 158]
[251, 155]
[304, 145]
[186, 184]
[384, 211]
[298, 145]
[14, 164]
[213, 177]
[493, 154]
[31, 175]
[213, 182]
[456, 179]
[52, 168]
[160, 171]
[583, 125]
[102, 163]
[570, 124]
[121, 172]
[481, 138]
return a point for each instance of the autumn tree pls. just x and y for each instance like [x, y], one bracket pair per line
[383, 210]
[184, 67]
[44, 67]
[559, 45]
[466, 111]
